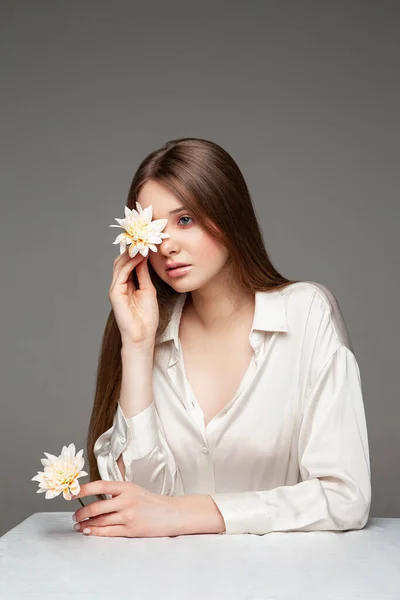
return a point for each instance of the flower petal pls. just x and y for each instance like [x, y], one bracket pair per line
[119, 238]
[51, 457]
[120, 221]
[51, 494]
[133, 250]
[134, 214]
[147, 215]
[158, 224]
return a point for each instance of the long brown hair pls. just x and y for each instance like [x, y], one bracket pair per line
[210, 185]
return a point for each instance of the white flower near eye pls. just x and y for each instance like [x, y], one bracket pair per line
[141, 233]
[61, 473]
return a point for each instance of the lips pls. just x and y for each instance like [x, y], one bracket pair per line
[176, 267]
[178, 271]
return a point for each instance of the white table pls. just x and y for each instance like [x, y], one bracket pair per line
[43, 557]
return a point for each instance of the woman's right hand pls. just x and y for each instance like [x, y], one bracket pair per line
[136, 310]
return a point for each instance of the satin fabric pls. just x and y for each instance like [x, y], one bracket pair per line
[289, 452]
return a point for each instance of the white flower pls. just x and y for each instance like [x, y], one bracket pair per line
[141, 233]
[61, 473]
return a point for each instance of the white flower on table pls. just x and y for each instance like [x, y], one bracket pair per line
[61, 473]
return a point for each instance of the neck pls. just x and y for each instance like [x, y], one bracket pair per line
[214, 309]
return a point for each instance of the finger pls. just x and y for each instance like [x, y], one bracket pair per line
[99, 507]
[110, 531]
[143, 275]
[130, 287]
[103, 520]
[125, 275]
[122, 269]
[122, 257]
[125, 256]
[100, 486]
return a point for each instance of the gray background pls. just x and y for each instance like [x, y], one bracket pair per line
[305, 97]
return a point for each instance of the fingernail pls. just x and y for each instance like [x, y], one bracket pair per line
[77, 526]
[87, 530]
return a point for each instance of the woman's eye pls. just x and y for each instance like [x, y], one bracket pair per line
[185, 218]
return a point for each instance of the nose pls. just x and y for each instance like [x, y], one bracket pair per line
[168, 245]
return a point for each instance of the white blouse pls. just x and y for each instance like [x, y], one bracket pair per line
[288, 453]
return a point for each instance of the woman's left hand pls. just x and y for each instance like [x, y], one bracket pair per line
[131, 512]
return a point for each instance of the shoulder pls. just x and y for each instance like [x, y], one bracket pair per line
[303, 292]
[316, 305]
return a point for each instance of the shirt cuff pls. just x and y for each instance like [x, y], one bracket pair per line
[135, 436]
[243, 512]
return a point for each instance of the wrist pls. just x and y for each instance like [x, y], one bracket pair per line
[138, 349]
[198, 513]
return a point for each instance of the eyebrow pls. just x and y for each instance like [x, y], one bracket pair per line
[176, 210]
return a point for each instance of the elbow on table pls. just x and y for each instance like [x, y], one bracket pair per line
[354, 513]
[358, 518]
[359, 521]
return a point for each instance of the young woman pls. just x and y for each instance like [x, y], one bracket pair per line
[224, 378]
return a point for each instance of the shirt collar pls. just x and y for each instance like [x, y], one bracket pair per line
[269, 315]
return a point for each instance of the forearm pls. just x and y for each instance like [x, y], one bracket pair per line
[197, 513]
[136, 385]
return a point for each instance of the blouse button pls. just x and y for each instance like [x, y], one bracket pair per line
[122, 440]
[205, 449]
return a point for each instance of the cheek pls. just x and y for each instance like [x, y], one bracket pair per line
[155, 262]
[211, 250]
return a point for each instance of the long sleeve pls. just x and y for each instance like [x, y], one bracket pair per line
[335, 493]
[147, 458]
